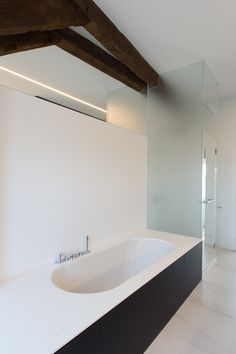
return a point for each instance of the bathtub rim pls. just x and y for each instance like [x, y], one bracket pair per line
[70, 264]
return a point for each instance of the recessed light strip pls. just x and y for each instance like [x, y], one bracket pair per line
[52, 89]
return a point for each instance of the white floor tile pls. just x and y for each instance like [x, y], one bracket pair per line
[169, 344]
[216, 298]
[226, 259]
[181, 329]
[206, 322]
[219, 276]
[218, 328]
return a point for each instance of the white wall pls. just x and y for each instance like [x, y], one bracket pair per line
[226, 184]
[63, 175]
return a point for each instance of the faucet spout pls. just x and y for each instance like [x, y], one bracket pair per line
[64, 257]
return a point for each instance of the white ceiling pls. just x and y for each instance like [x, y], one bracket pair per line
[174, 33]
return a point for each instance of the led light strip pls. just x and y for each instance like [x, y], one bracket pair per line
[51, 89]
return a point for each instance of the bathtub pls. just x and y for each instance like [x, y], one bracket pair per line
[126, 292]
[107, 269]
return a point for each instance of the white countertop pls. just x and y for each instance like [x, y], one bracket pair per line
[38, 318]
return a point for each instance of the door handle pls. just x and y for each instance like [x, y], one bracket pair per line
[208, 200]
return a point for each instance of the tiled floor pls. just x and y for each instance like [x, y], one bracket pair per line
[206, 322]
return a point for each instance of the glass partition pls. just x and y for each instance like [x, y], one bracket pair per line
[209, 91]
[175, 149]
[127, 108]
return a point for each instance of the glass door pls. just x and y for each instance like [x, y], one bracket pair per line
[209, 192]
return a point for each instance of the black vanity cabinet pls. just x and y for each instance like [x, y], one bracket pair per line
[193, 268]
[131, 326]
[88, 342]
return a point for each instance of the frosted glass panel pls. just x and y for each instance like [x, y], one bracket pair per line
[127, 108]
[209, 201]
[210, 90]
[175, 153]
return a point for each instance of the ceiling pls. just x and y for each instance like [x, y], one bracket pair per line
[168, 33]
[171, 34]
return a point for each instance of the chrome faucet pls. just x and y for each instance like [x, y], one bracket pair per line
[65, 257]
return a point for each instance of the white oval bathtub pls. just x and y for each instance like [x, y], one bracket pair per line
[107, 269]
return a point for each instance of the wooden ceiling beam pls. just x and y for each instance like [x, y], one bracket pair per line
[103, 29]
[76, 45]
[89, 52]
[17, 16]
[125, 63]
[25, 41]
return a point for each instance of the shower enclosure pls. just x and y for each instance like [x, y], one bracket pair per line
[181, 127]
